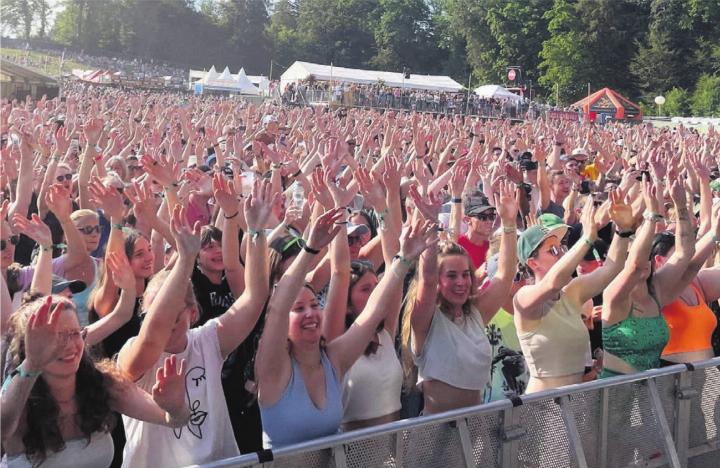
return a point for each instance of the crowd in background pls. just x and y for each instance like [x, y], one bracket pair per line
[190, 278]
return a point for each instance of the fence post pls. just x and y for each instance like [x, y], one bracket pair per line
[511, 432]
[465, 442]
[339, 456]
[573, 434]
[666, 435]
[684, 394]
[604, 416]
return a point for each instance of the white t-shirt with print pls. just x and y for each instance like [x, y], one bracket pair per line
[208, 435]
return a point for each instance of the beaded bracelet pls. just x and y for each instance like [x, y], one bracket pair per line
[231, 217]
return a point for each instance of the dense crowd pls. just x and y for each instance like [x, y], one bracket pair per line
[187, 279]
[386, 97]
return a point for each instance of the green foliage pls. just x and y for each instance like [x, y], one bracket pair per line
[639, 47]
[706, 98]
[677, 103]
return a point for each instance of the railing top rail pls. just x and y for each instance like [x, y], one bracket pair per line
[496, 406]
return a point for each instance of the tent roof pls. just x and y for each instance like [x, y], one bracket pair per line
[604, 99]
[496, 91]
[304, 70]
[11, 69]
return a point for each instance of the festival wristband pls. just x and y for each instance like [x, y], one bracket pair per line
[403, 260]
[310, 250]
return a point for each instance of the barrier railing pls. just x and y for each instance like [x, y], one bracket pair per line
[665, 417]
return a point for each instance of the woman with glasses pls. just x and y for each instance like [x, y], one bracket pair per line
[445, 315]
[58, 403]
[548, 313]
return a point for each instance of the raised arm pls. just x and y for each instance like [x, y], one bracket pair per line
[226, 196]
[59, 201]
[119, 267]
[110, 200]
[237, 323]
[42, 346]
[491, 298]
[529, 299]
[457, 184]
[616, 297]
[665, 280]
[23, 191]
[39, 232]
[542, 178]
[167, 305]
[272, 362]
[346, 349]
[585, 287]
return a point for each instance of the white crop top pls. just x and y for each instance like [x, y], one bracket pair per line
[372, 386]
[458, 355]
[77, 454]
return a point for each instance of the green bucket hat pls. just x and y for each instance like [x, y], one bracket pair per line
[551, 221]
[715, 185]
[533, 236]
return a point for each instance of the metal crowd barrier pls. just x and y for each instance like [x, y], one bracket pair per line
[665, 417]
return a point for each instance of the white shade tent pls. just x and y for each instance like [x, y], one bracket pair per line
[496, 92]
[300, 71]
[225, 81]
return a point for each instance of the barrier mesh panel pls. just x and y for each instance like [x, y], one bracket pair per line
[706, 460]
[667, 388]
[314, 459]
[633, 437]
[433, 446]
[545, 443]
[372, 452]
[485, 430]
[586, 408]
[705, 408]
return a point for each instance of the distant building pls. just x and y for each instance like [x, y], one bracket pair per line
[16, 82]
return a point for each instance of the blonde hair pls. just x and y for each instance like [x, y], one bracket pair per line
[445, 249]
[83, 213]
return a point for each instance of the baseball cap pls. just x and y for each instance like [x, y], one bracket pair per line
[476, 205]
[550, 220]
[59, 284]
[357, 229]
[530, 239]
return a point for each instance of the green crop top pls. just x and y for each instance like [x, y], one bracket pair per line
[639, 341]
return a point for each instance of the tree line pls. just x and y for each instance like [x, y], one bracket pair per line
[642, 48]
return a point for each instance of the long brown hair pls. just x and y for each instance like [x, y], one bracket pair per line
[42, 431]
[445, 249]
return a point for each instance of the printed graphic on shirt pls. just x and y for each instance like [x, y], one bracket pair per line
[194, 383]
[221, 300]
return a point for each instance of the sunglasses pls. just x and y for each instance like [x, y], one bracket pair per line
[60, 178]
[360, 267]
[556, 251]
[486, 217]
[89, 229]
[134, 168]
[13, 240]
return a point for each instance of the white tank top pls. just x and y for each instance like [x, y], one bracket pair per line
[458, 355]
[372, 386]
[77, 454]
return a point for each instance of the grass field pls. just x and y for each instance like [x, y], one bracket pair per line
[45, 63]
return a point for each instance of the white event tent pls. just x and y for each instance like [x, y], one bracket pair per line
[496, 92]
[300, 71]
[225, 81]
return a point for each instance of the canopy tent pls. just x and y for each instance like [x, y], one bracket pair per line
[496, 92]
[211, 80]
[608, 102]
[300, 71]
[261, 82]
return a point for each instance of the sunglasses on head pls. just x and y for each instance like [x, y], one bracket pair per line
[134, 168]
[60, 178]
[12, 239]
[89, 229]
